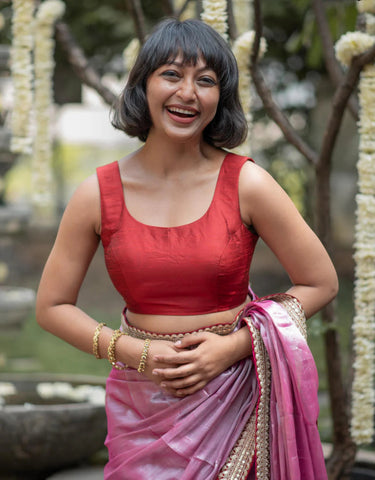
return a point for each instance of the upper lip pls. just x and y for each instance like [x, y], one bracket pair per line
[182, 109]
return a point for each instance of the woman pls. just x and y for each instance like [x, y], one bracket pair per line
[179, 220]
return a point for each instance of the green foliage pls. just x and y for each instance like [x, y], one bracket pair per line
[293, 179]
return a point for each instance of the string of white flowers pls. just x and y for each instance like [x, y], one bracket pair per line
[48, 13]
[22, 75]
[242, 49]
[130, 53]
[215, 14]
[362, 423]
[366, 6]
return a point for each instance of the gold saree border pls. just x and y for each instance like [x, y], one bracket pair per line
[253, 444]
[254, 440]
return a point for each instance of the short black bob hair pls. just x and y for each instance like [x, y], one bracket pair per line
[191, 38]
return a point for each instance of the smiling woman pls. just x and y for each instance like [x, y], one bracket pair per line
[208, 381]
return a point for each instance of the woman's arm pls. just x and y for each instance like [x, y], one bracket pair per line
[266, 206]
[76, 243]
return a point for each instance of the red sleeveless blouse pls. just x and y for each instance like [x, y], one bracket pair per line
[198, 268]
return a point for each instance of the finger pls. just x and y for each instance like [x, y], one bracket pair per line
[181, 383]
[171, 373]
[178, 359]
[190, 340]
[184, 392]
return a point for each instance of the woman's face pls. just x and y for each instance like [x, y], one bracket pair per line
[182, 98]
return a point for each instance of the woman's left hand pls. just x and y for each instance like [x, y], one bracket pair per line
[201, 357]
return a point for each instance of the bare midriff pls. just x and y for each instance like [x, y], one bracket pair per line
[169, 324]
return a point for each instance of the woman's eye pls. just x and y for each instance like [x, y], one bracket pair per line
[209, 81]
[170, 74]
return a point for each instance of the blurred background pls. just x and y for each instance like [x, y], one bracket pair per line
[83, 139]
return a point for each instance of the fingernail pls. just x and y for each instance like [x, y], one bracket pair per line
[154, 372]
[178, 343]
[163, 385]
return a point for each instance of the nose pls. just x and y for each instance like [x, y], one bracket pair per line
[186, 90]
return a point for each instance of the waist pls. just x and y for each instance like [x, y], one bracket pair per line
[173, 333]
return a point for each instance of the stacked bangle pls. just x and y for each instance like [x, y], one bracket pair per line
[112, 350]
[95, 340]
[142, 363]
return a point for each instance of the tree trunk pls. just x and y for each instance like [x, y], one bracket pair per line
[343, 455]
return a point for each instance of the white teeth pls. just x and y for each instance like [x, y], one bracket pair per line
[180, 110]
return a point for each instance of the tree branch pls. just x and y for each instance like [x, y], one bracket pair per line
[331, 63]
[167, 6]
[258, 27]
[136, 11]
[266, 95]
[232, 27]
[182, 9]
[339, 103]
[76, 57]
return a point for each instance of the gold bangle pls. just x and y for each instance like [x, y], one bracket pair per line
[112, 350]
[95, 340]
[142, 363]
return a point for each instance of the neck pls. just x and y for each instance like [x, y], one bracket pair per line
[169, 158]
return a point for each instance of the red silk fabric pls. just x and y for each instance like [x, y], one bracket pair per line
[198, 268]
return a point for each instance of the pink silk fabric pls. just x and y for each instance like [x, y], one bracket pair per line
[152, 435]
[296, 450]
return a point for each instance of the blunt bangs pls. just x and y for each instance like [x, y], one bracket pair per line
[192, 39]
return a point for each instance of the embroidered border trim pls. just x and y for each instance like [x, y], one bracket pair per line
[254, 439]
[294, 308]
[219, 329]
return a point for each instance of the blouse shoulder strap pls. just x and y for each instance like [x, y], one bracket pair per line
[111, 199]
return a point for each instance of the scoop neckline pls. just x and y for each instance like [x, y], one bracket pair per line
[184, 225]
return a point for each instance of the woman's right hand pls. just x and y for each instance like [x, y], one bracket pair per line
[159, 348]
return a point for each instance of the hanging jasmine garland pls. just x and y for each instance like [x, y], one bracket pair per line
[366, 6]
[48, 13]
[22, 75]
[242, 49]
[364, 288]
[362, 426]
[215, 14]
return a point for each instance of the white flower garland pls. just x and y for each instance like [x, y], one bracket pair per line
[366, 6]
[48, 13]
[364, 287]
[362, 423]
[242, 49]
[243, 12]
[352, 44]
[215, 14]
[130, 53]
[22, 75]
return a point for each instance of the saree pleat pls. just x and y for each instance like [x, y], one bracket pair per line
[245, 424]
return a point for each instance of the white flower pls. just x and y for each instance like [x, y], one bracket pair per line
[243, 13]
[366, 6]
[215, 14]
[22, 75]
[242, 49]
[352, 44]
[48, 13]
[94, 394]
[362, 425]
[130, 53]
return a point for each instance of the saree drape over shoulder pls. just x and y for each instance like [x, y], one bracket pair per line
[257, 420]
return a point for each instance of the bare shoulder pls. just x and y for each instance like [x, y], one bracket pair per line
[84, 205]
[258, 191]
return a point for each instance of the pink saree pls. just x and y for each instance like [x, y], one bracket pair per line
[257, 420]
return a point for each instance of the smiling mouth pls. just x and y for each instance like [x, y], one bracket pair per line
[182, 112]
